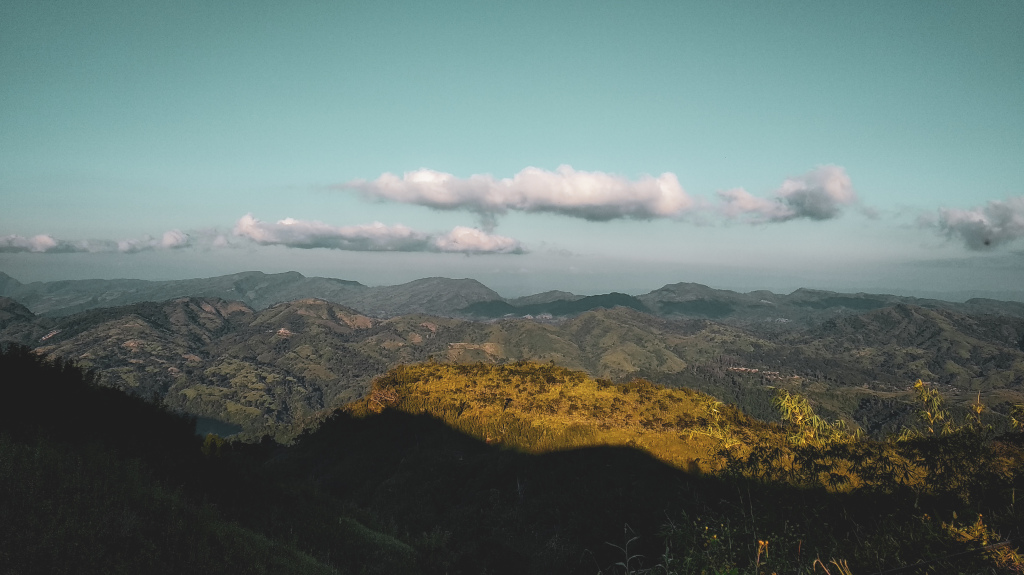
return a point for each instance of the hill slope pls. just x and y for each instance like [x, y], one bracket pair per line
[536, 408]
[263, 368]
[539, 484]
[12, 312]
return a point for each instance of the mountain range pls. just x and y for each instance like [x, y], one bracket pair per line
[468, 298]
[267, 366]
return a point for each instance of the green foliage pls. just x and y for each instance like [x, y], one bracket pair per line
[212, 445]
[810, 429]
[933, 413]
[1017, 417]
[936, 418]
[955, 469]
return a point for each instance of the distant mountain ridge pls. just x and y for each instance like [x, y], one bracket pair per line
[558, 307]
[256, 289]
[543, 297]
[802, 305]
[439, 296]
[468, 298]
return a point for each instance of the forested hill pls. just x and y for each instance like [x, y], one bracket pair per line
[522, 468]
[264, 369]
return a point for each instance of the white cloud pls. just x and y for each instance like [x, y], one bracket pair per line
[472, 240]
[821, 194]
[738, 202]
[45, 243]
[136, 245]
[36, 244]
[173, 239]
[595, 196]
[302, 234]
[998, 222]
[373, 237]
[287, 232]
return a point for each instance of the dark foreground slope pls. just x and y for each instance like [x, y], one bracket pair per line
[420, 487]
[91, 481]
[538, 469]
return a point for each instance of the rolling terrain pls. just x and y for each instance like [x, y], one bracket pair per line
[268, 370]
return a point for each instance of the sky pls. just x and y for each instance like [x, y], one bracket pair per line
[585, 146]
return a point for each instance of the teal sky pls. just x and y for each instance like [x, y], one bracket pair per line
[122, 121]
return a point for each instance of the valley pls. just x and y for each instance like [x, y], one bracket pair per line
[269, 366]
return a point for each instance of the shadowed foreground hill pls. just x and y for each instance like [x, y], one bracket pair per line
[102, 482]
[807, 489]
[90, 482]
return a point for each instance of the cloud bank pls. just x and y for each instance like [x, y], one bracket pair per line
[36, 244]
[45, 243]
[594, 196]
[287, 232]
[173, 239]
[471, 240]
[821, 194]
[996, 223]
[373, 237]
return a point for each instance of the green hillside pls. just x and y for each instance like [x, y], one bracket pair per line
[518, 468]
[539, 408]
